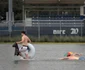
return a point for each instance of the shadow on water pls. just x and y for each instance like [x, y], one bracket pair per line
[21, 61]
[45, 60]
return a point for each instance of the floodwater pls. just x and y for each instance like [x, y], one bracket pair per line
[46, 58]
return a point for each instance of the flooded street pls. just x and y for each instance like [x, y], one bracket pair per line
[46, 58]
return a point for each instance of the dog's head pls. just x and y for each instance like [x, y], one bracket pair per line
[15, 45]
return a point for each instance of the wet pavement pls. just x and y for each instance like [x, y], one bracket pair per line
[46, 57]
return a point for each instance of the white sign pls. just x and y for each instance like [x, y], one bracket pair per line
[59, 31]
[74, 30]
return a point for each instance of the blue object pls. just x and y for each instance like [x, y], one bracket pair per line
[82, 58]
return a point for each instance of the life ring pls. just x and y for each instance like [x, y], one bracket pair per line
[31, 53]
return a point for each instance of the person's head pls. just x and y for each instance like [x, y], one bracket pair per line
[69, 54]
[23, 33]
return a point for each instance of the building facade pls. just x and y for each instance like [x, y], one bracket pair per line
[52, 8]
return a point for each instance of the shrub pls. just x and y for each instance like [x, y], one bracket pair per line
[45, 39]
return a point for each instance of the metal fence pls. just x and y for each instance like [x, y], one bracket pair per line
[40, 28]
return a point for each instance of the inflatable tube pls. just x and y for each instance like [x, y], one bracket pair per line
[31, 53]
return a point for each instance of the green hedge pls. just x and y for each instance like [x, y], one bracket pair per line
[46, 39]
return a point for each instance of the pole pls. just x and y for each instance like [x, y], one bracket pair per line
[23, 14]
[38, 29]
[23, 10]
[10, 17]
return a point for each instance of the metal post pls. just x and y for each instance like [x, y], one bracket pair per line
[10, 17]
[61, 27]
[23, 15]
[38, 29]
[81, 30]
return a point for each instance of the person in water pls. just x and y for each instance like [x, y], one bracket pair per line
[24, 48]
[73, 56]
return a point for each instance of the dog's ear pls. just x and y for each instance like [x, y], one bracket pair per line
[14, 44]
